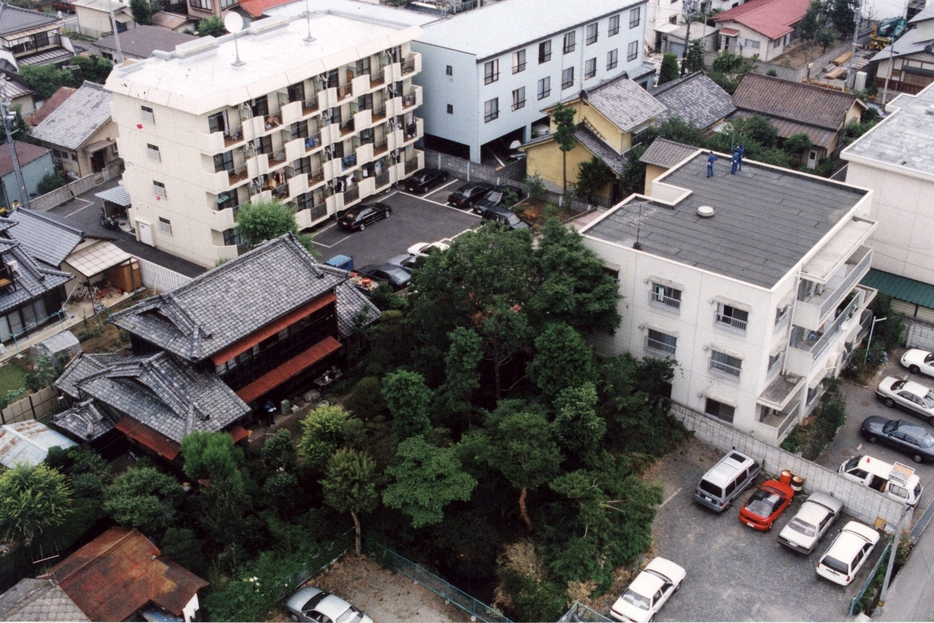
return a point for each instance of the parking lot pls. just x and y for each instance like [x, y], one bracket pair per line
[735, 573]
[415, 218]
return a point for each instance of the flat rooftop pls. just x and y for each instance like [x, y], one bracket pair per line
[904, 137]
[766, 219]
[199, 76]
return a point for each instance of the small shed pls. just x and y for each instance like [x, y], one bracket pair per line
[118, 267]
[63, 343]
[28, 443]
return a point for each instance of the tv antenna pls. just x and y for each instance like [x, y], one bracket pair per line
[309, 38]
[234, 24]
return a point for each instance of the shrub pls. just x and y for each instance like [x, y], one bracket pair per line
[50, 182]
[366, 399]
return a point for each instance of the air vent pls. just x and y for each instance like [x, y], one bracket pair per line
[705, 212]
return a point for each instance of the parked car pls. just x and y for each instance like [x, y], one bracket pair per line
[497, 197]
[906, 437]
[504, 217]
[650, 590]
[898, 482]
[768, 501]
[812, 522]
[468, 194]
[313, 604]
[422, 249]
[913, 397]
[919, 361]
[425, 179]
[362, 215]
[726, 480]
[66, 6]
[848, 553]
[396, 276]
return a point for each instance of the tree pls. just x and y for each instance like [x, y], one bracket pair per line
[143, 498]
[350, 486]
[324, 430]
[695, 57]
[728, 69]
[811, 23]
[632, 179]
[408, 399]
[91, 68]
[669, 70]
[48, 369]
[263, 221]
[279, 451]
[592, 176]
[210, 455]
[211, 27]
[563, 119]
[577, 426]
[142, 10]
[366, 399]
[45, 80]
[562, 359]
[20, 128]
[797, 145]
[426, 479]
[462, 377]
[33, 498]
[825, 39]
[225, 505]
[842, 15]
[49, 182]
[184, 547]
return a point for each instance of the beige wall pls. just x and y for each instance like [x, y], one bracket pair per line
[545, 160]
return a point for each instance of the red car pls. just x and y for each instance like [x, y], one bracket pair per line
[764, 506]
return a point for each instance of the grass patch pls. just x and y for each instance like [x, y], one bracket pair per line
[12, 377]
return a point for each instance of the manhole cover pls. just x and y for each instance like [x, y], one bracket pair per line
[864, 403]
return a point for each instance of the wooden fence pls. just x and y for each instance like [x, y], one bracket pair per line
[32, 407]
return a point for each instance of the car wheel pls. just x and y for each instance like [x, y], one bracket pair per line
[914, 369]
[916, 458]
[293, 617]
[678, 587]
[889, 402]
[872, 439]
[388, 212]
[362, 226]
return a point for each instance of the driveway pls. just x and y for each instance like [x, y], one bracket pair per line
[735, 573]
[415, 218]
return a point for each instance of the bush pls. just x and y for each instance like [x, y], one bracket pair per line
[50, 182]
[366, 399]
[772, 73]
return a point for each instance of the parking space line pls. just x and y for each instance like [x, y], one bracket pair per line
[89, 204]
[670, 497]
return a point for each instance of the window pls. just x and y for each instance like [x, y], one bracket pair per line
[302, 165]
[449, 70]
[518, 61]
[725, 364]
[661, 342]
[544, 88]
[450, 109]
[632, 52]
[74, 156]
[491, 71]
[224, 162]
[567, 78]
[774, 43]
[666, 295]
[232, 237]
[570, 41]
[614, 26]
[217, 122]
[592, 33]
[299, 129]
[612, 59]
[635, 17]
[518, 98]
[264, 145]
[752, 44]
[491, 110]
[297, 92]
[781, 314]
[165, 226]
[719, 410]
[158, 189]
[145, 114]
[152, 152]
[544, 51]
[590, 68]
[731, 317]
[260, 106]
[673, 19]
[227, 200]
[201, 4]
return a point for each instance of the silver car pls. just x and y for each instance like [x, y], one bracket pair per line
[813, 520]
[314, 604]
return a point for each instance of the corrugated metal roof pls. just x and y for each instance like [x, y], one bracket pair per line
[28, 443]
[901, 288]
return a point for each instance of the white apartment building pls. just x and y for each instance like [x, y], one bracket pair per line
[749, 280]
[489, 73]
[317, 112]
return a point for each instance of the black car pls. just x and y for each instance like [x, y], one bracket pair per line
[423, 180]
[912, 439]
[497, 197]
[504, 217]
[362, 215]
[467, 194]
[396, 276]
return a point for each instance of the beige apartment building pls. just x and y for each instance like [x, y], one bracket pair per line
[317, 112]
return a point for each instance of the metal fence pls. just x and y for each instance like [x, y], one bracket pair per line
[160, 278]
[580, 612]
[449, 593]
[871, 577]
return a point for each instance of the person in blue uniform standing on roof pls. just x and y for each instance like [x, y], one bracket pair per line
[711, 158]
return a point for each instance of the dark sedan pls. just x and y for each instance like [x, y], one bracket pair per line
[502, 196]
[468, 194]
[362, 215]
[907, 437]
[396, 276]
[504, 217]
[423, 180]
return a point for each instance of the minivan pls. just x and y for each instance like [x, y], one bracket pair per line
[898, 482]
[726, 480]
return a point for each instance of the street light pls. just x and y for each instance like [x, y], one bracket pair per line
[869, 341]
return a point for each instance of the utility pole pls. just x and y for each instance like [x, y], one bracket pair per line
[850, 78]
[9, 117]
[690, 6]
[113, 24]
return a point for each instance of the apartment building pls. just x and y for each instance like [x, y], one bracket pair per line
[490, 73]
[317, 112]
[749, 280]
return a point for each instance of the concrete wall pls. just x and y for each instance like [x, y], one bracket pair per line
[861, 502]
[799, 74]
[466, 170]
[160, 278]
[66, 193]
[33, 173]
[919, 335]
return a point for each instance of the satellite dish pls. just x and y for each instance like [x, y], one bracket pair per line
[233, 22]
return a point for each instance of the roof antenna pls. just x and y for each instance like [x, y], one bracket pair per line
[309, 38]
[638, 245]
[234, 24]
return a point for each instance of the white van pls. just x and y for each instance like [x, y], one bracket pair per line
[898, 482]
[726, 480]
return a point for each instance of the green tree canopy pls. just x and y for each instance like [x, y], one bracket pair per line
[33, 499]
[563, 119]
[324, 430]
[210, 455]
[408, 400]
[842, 15]
[279, 451]
[143, 498]
[212, 27]
[728, 69]
[258, 222]
[350, 485]
[592, 176]
[142, 10]
[462, 377]
[577, 426]
[694, 61]
[562, 359]
[669, 70]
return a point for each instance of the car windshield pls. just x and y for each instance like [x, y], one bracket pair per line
[314, 601]
[513, 220]
[890, 426]
[852, 463]
[351, 615]
[762, 503]
[926, 440]
[929, 400]
[802, 527]
[898, 385]
[637, 600]
[832, 563]
[929, 358]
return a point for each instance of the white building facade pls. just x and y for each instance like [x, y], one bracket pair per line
[489, 73]
[317, 113]
[755, 295]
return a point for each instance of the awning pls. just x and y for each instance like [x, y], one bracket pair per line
[13, 36]
[901, 288]
[238, 433]
[97, 258]
[98, 145]
[287, 370]
[729, 32]
[118, 195]
[148, 437]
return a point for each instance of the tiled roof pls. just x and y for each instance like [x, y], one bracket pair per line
[696, 99]
[665, 153]
[76, 119]
[351, 302]
[14, 19]
[38, 600]
[793, 101]
[25, 153]
[820, 137]
[51, 105]
[256, 7]
[772, 18]
[32, 279]
[84, 421]
[167, 395]
[46, 239]
[162, 19]
[624, 103]
[230, 302]
[120, 572]
[14, 84]
[141, 41]
[595, 145]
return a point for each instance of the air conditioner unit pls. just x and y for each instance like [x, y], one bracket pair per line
[14, 267]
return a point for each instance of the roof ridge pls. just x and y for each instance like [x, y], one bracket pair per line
[99, 555]
[813, 87]
[44, 217]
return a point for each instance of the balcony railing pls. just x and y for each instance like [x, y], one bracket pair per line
[377, 79]
[315, 178]
[816, 343]
[725, 368]
[729, 322]
[382, 179]
[310, 106]
[657, 298]
[380, 147]
[348, 162]
[313, 142]
[347, 128]
[408, 66]
[351, 195]
[379, 113]
[238, 175]
[345, 91]
[408, 100]
[411, 166]
[659, 346]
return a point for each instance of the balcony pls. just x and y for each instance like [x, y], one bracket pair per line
[310, 107]
[813, 312]
[348, 162]
[348, 128]
[351, 195]
[291, 112]
[380, 147]
[238, 175]
[657, 346]
[412, 98]
[382, 180]
[658, 299]
[808, 346]
[379, 113]
[774, 425]
[412, 64]
[315, 179]
[377, 79]
[724, 369]
[344, 92]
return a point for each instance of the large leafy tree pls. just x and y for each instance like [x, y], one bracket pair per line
[408, 399]
[695, 57]
[324, 430]
[563, 119]
[592, 176]
[33, 499]
[350, 485]
[462, 377]
[142, 11]
[263, 221]
[842, 15]
[562, 359]
[728, 69]
[669, 69]
[143, 498]
[210, 455]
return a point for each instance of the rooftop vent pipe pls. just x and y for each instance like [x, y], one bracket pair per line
[705, 212]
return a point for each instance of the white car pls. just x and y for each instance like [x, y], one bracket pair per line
[648, 592]
[815, 517]
[913, 397]
[919, 361]
[421, 249]
[318, 606]
[848, 554]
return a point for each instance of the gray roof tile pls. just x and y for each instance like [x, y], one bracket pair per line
[350, 302]
[46, 239]
[32, 279]
[625, 103]
[13, 19]
[696, 99]
[77, 119]
[38, 600]
[665, 153]
[596, 146]
[143, 40]
[793, 101]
